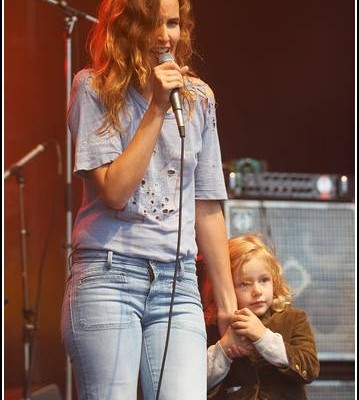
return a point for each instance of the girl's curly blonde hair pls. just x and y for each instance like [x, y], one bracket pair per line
[242, 249]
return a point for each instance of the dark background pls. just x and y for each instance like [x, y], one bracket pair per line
[283, 75]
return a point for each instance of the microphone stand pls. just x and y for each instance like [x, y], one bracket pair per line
[70, 11]
[14, 169]
[71, 16]
[28, 312]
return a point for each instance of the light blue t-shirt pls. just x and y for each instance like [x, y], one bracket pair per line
[148, 226]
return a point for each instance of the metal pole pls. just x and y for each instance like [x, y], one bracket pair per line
[28, 313]
[69, 25]
[72, 15]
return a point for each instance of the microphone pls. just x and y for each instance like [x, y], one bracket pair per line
[29, 156]
[174, 97]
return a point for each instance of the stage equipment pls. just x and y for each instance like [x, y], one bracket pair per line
[49, 392]
[331, 390]
[315, 243]
[29, 314]
[290, 186]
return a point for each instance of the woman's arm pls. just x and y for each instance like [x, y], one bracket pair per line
[213, 245]
[116, 182]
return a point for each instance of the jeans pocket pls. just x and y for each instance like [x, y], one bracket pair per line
[101, 300]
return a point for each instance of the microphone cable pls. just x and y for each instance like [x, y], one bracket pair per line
[177, 267]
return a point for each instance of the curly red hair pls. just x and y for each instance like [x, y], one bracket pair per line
[118, 45]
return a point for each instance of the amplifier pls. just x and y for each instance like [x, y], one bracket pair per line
[331, 390]
[315, 244]
[290, 186]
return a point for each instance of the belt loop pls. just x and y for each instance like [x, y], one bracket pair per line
[180, 271]
[69, 260]
[151, 270]
[109, 259]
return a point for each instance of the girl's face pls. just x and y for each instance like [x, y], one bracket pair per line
[167, 34]
[254, 286]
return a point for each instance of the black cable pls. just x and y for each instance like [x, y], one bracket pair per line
[175, 272]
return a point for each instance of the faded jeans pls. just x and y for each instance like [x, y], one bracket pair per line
[114, 325]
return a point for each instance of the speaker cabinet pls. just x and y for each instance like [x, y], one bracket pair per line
[315, 243]
[49, 392]
[331, 390]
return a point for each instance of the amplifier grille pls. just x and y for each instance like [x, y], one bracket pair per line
[331, 390]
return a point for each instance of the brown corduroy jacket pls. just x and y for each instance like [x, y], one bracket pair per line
[255, 378]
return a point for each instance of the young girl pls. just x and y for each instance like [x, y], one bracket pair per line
[126, 250]
[268, 352]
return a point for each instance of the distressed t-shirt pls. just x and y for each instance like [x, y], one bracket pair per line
[147, 226]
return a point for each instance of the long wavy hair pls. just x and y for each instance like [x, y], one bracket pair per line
[241, 250]
[120, 54]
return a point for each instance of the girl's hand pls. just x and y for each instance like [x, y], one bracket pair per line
[235, 345]
[246, 323]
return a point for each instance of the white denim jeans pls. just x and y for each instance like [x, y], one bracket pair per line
[114, 325]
